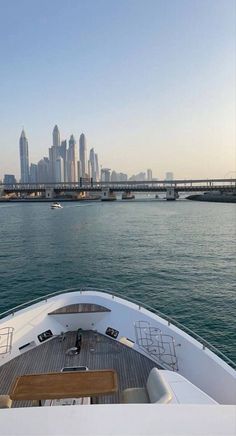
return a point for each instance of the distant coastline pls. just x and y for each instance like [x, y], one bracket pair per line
[46, 200]
[220, 197]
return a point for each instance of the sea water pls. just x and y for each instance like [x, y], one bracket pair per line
[178, 257]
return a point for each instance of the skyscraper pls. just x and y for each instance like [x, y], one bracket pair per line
[78, 170]
[59, 170]
[97, 168]
[72, 160]
[56, 136]
[33, 173]
[92, 164]
[24, 158]
[140, 177]
[89, 169]
[83, 155]
[9, 179]
[43, 170]
[169, 176]
[105, 175]
[63, 154]
[54, 153]
[149, 174]
[114, 177]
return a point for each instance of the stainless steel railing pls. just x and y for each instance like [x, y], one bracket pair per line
[6, 335]
[157, 345]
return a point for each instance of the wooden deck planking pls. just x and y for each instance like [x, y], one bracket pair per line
[97, 352]
[72, 385]
[80, 308]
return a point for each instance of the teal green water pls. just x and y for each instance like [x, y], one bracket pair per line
[179, 257]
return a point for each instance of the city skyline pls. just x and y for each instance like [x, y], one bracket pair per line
[62, 164]
[59, 156]
[80, 166]
[152, 85]
[68, 164]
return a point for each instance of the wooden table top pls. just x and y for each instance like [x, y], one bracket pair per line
[64, 385]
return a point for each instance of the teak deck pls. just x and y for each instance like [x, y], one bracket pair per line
[64, 385]
[97, 352]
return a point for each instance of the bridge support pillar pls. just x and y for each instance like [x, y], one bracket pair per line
[108, 195]
[49, 193]
[127, 195]
[171, 194]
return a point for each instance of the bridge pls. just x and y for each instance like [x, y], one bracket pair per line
[88, 185]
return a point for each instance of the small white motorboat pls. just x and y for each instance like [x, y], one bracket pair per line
[56, 206]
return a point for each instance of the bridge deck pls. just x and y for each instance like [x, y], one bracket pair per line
[89, 185]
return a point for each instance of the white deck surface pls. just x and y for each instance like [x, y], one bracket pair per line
[114, 420]
[185, 392]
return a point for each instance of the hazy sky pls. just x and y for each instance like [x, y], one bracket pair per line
[151, 83]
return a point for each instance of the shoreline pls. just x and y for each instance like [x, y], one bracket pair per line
[45, 200]
[213, 198]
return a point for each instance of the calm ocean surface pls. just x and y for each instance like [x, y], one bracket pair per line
[178, 257]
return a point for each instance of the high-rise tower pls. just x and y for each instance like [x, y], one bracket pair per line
[54, 153]
[72, 160]
[83, 155]
[24, 158]
[149, 174]
[97, 168]
[56, 136]
[63, 154]
[93, 164]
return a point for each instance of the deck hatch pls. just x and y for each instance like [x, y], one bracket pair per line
[45, 335]
[79, 308]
